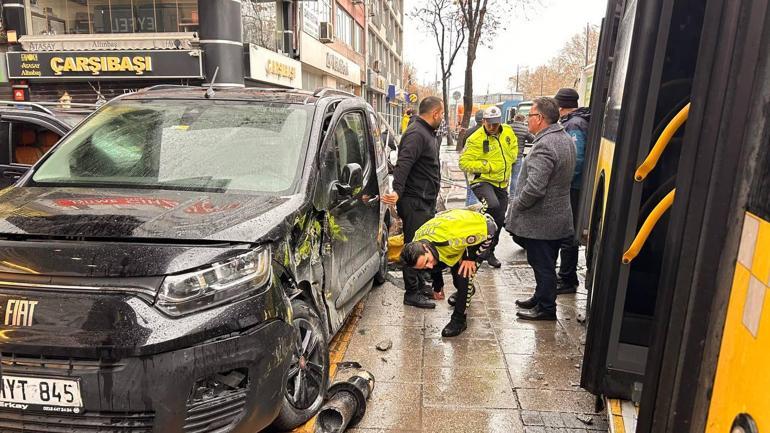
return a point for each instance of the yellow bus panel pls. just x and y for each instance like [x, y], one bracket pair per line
[742, 383]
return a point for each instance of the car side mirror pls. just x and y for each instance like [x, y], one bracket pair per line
[352, 180]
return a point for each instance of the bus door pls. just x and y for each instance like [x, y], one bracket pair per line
[654, 59]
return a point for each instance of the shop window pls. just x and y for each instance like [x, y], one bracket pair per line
[50, 17]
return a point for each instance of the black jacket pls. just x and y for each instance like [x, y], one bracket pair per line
[418, 171]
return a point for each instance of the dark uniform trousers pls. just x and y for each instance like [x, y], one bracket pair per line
[496, 201]
[415, 212]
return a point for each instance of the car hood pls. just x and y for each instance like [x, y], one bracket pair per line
[98, 213]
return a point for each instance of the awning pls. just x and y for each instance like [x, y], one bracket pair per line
[123, 41]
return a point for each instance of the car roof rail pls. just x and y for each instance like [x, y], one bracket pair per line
[168, 87]
[327, 91]
[34, 106]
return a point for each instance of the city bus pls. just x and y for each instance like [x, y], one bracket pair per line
[675, 215]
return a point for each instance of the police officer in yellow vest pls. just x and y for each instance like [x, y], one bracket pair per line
[457, 239]
[488, 159]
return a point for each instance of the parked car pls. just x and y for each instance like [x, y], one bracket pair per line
[179, 262]
[29, 130]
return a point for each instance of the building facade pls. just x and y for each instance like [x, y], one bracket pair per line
[93, 48]
[385, 59]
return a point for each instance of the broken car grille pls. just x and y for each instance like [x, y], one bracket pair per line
[216, 414]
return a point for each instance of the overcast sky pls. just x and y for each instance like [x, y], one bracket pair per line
[526, 41]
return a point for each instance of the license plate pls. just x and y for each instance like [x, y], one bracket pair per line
[44, 394]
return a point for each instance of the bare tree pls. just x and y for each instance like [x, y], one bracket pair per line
[563, 70]
[443, 20]
[259, 23]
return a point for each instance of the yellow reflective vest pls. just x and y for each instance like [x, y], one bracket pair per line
[452, 232]
[488, 158]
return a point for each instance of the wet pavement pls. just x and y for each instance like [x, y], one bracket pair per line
[501, 375]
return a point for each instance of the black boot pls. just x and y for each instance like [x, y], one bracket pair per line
[527, 303]
[418, 300]
[455, 327]
[492, 260]
[452, 299]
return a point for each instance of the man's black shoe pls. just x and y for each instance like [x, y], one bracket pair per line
[536, 313]
[565, 289]
[419, 301]
[492, 260]
[452, 299]
[527, 303]
[454, 328]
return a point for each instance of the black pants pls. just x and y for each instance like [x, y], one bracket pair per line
[415, 212]
[496, 200]
[464, 288]
[541, 256]
[569, 253]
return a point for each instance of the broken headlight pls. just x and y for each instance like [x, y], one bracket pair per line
[220, 282]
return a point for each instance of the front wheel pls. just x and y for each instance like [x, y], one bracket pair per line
[308, 376]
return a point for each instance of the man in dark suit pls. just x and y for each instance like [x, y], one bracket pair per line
[540, 217]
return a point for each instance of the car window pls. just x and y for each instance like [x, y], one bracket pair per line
[29, 142]
[350, 141]
[179, 144]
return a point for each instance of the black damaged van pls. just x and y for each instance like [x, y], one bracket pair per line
[179, 262]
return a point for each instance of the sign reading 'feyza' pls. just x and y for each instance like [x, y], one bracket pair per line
[104, 65]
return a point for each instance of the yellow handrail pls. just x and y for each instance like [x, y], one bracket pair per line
[649, 224]
[660, 146]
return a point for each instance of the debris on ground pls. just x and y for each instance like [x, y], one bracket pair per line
[346, 405]
[585, 419]
[581, 317]
[384, 345]
[345, 365]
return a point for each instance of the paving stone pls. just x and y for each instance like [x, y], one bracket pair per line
[535, 371]
[536, 429]
[449, 352]
[366, 337]
[468, 387]
[386, 412]
[449, 420]
[552, 419]
[555, 400]
[391, 366]
[536, 341]
[532, 418]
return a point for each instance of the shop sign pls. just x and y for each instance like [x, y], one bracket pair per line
[377, 82]
[310, 20]
[133, 41]
[104, 65]
[271, 67]
[322, 57]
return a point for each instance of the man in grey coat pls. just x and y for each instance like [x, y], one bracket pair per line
[540, 215]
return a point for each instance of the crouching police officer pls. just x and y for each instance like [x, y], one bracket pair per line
[459, 239]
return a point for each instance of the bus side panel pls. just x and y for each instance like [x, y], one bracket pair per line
[742, 382]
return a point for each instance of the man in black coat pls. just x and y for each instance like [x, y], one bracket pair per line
[416, 183]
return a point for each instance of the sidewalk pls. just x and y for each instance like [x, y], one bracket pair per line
[501, 375]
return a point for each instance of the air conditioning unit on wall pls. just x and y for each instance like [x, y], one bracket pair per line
[326, 32]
